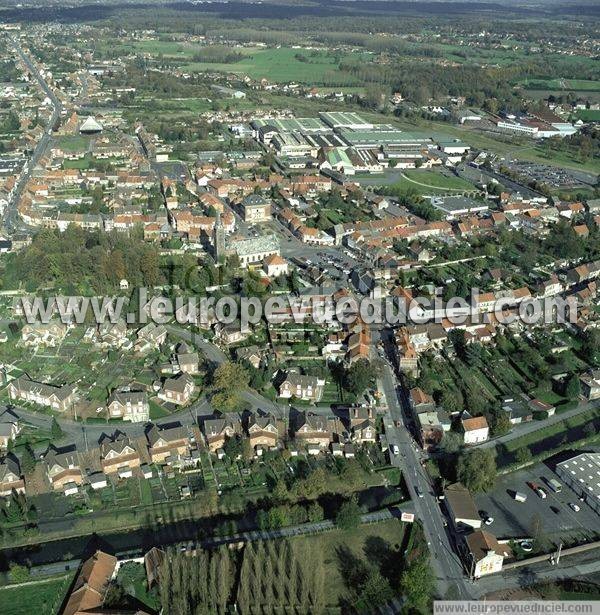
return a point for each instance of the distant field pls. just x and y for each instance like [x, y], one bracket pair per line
[578, 85]
[283, 65]
[42, 597]
[314, 67]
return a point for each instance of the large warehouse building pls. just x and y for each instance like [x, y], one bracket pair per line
[582, 474]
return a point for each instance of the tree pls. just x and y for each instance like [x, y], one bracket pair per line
[417, 583]
[348, 515]
[359, 376]
[477, 469]
[229, 380]
[523, 455]
[28, 461]
[56, 430]
[590, 346]
[573, 387]
[375, 591]
[315, 512]
[18, 573]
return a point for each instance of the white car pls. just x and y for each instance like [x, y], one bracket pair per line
[395, 449]
[575, 507]
[489, 520]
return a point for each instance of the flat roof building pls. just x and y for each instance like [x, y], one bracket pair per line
[582, 475]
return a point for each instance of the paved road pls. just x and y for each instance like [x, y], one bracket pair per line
[446, 563]
[11, 221]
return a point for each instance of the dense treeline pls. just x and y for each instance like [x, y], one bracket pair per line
[199, 584]
[218, 54]
[77, 260]
[260, 578]
[281, 574]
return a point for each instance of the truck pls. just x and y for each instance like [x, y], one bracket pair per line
[555, 485]
[519, 497]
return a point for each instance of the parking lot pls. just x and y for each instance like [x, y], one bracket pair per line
[514, 519]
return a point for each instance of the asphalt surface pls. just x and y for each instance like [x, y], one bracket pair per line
[11, 222]
[514, 519]
[446, 564]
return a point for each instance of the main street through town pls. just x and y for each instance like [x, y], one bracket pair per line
[11, 221]
[408, 458]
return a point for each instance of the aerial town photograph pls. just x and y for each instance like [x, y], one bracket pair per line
[299, 307]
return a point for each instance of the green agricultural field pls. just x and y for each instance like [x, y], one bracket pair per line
[286, 64]
[42, 597]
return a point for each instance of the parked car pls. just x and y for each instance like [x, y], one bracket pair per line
[489, 520]
[574, 506]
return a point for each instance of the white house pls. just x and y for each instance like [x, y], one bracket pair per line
[476, 430]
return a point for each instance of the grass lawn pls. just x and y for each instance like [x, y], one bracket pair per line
[588, 115]
[391, 532]
[72, 143]
[42, 597]
[437, 180]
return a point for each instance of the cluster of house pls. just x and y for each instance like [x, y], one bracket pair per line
[481, 551]
[434, 421]
[174, 446]
[127, 403]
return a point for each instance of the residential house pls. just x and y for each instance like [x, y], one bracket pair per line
[218, 430]
[43, 334]
[590, 385]
[59, 398]
[119, 456]
[537, 405]
[255, 208]
[308, 388]
[362, 424]
[421, 401]
[476, 430]
[431, 430]
[231, 333]
[517, 411]
[178, 390]
[263, 431]
[484, 554]
[9, 428]
[169, 444]
[185, 360]
[129, 406]
[91, 584]
[63, 470]
[461, 507]
[274, 266]
[316, 429]
[150, 337]
[251, 354]
[10, 476]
